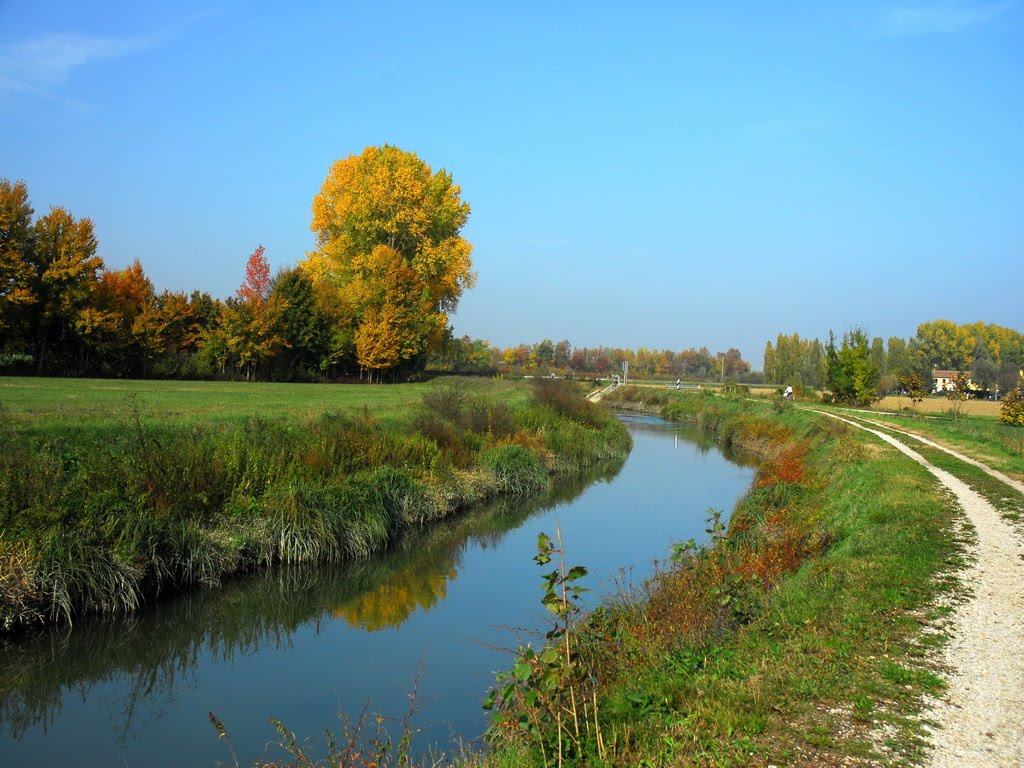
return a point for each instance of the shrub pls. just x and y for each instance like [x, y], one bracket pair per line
[1012, 411]
[446, 402]
[563, 398]
[516, 469]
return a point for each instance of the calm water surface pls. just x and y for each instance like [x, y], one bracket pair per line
[302, 644]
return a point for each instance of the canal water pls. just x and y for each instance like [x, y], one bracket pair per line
[427, 625]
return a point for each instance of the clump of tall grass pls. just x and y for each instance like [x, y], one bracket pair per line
[564, 398]
[21, 596]
[75, 574]
[516, 469]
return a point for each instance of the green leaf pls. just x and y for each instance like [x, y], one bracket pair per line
[521, 671]
[576, 572]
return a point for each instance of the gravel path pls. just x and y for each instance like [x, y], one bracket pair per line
[1017, 484]
[979, 721]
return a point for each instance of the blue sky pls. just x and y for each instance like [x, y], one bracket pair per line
[666, 175]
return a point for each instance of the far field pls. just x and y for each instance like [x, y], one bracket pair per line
[49, 401]
[938, 405]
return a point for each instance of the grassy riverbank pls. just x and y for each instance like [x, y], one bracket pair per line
[794, 640]
[107, 500]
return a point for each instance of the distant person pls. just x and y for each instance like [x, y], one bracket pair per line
[788, 394]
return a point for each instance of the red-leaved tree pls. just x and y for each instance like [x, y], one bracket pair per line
[256, 287]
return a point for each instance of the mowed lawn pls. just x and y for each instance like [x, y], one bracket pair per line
[45, 402]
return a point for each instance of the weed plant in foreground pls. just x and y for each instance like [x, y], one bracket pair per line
[100, 517]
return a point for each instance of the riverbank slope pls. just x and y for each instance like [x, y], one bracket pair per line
[796, 639]
[103, 512]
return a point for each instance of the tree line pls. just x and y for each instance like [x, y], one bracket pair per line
[865, 366]
[372, 299]
[475, 356]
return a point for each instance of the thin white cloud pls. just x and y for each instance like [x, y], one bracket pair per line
[941, 18]
[46, 62]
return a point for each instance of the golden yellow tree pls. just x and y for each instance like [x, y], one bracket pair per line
[64, 269]
[15, 249]
[388, 238]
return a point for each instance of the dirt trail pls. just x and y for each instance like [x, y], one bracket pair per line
[979, 720]
[1016, 484]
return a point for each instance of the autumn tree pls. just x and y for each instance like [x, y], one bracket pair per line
[16, 234]
[118, 323]
[1012, 409]
[249, 321]
[912, 385]
[957, 392]
[734, 363]
[178, 322]
[63, 270]
[388, 238]
[944, 345]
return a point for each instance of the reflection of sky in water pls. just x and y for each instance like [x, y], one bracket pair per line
[299, 644]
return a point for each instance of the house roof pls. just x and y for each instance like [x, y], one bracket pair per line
[936, 374]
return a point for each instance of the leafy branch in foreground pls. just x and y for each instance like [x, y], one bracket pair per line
[550, 696]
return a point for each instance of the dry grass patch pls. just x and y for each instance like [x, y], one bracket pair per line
[938, 405]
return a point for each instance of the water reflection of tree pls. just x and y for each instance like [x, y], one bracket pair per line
[155, 653]
[418, 578]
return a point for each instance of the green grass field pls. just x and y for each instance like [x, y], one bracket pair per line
[46, 402]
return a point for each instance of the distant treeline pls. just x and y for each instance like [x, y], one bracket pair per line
[469, 356]
[373, 298]
[993, 355]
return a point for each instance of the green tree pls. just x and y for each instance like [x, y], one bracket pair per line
[303, 328]
[986, 371]
[851, 373]
[898, 356]
[544, 353]
[793, 361]
[878, 355]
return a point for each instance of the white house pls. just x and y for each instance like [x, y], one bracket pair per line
[943, 380]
